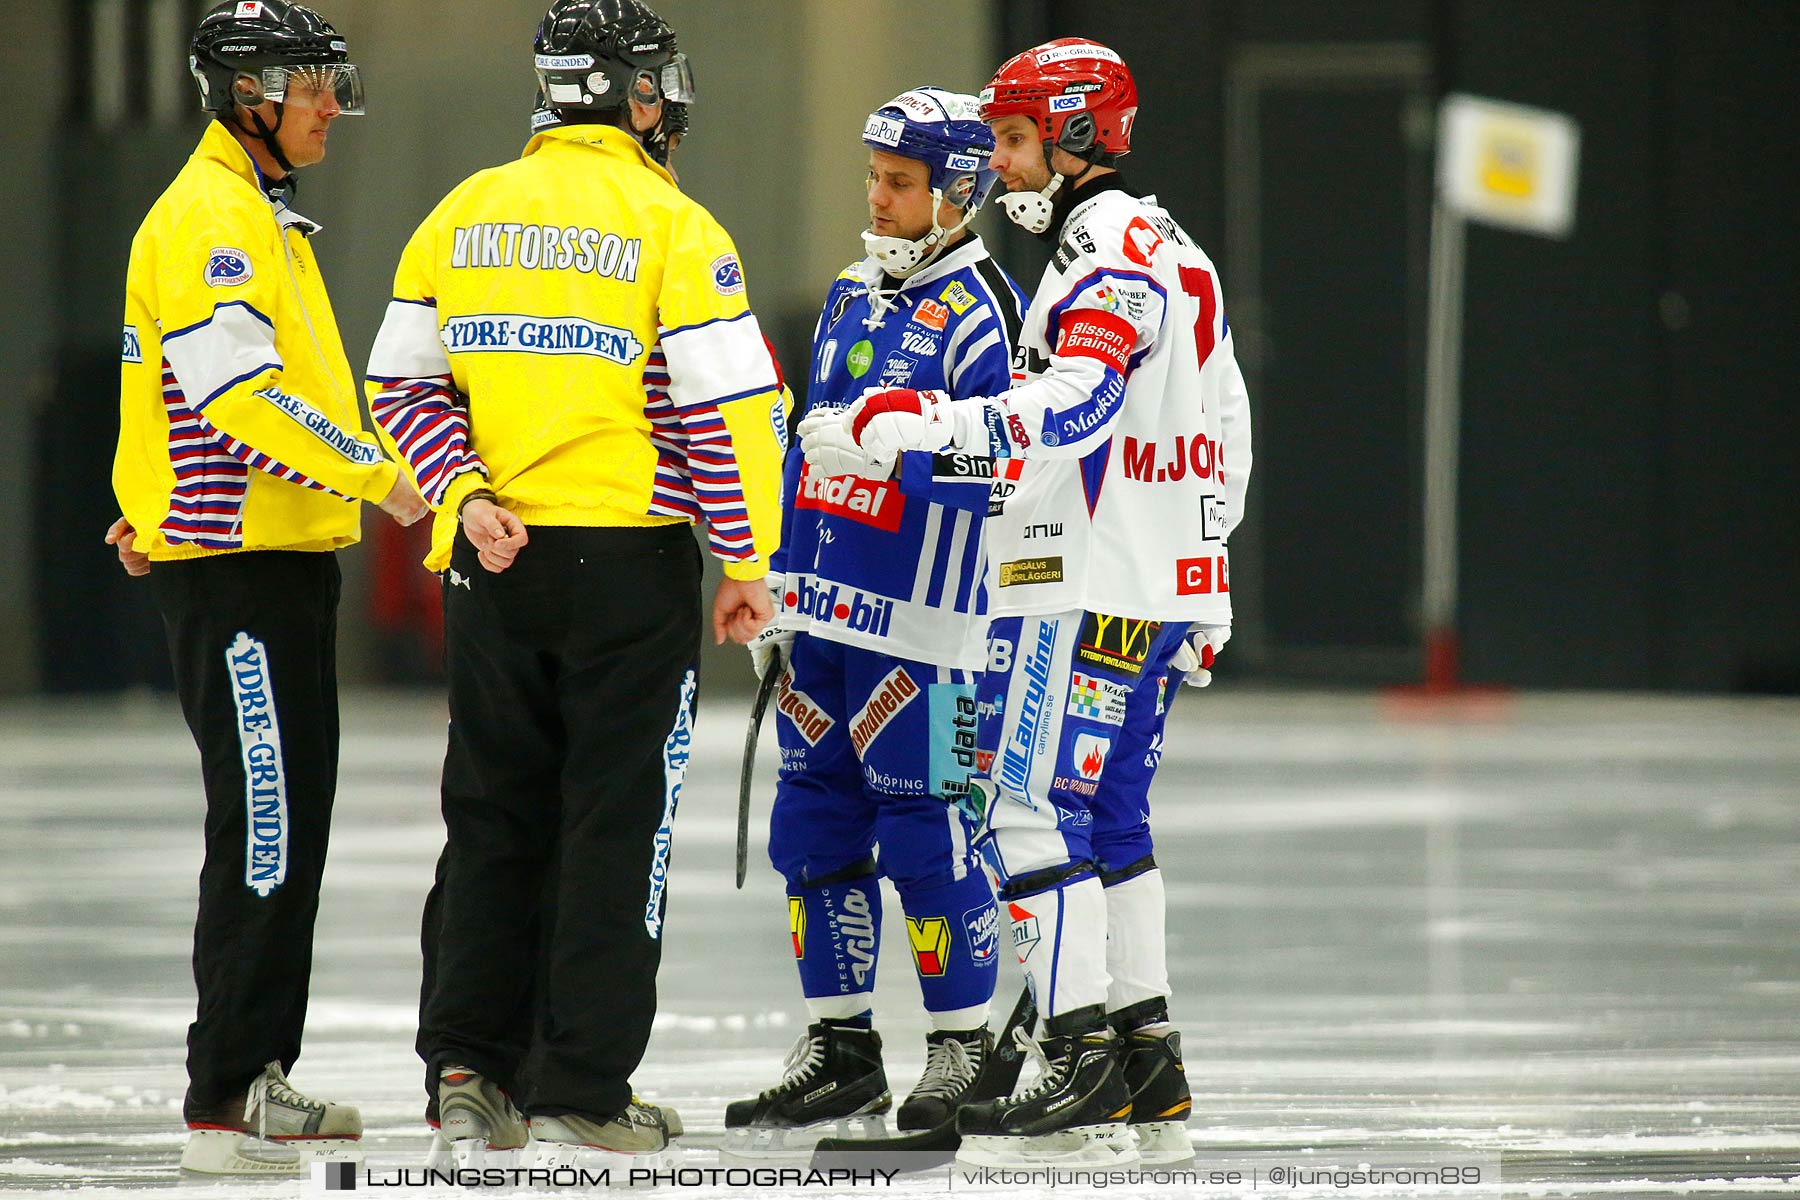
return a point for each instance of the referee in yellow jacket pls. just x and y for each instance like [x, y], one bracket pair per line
[571, 373]
[241, 459]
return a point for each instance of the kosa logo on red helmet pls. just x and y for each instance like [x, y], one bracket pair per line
[1079, 92]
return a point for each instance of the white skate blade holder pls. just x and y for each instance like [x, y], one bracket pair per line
[472, 1154]
[230, 1152]
[1163, 1143]
[554, 1155]
[761, 1145]
[1109, 1145]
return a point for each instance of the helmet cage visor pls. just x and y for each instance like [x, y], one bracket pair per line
[308, 80]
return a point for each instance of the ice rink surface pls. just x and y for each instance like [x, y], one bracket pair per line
[1560, 933]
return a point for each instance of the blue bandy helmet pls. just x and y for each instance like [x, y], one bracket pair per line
[944, 131]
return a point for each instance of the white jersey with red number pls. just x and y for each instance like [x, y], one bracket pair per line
[1129, 445]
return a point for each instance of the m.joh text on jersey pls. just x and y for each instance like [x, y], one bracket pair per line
[896, 564]
[1129, 461]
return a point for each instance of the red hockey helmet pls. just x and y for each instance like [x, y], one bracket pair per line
[1079, 92]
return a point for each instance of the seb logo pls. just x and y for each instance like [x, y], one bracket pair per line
[862, 614]
[1200, 576]
[1146, 462]
[866, 501]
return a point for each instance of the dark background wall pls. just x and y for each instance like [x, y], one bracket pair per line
[1629, 516]
[1631, 395]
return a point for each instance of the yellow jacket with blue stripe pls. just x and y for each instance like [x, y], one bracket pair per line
[570, 331]
[239, 426]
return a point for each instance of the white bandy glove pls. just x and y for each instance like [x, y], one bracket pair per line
[885, 421]
[776, 640]
[826, 441]
[1195, 655]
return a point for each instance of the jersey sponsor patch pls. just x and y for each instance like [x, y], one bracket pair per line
[809, 719]
[875, 502]
[929, 938]
[930, 314]
[951, 752]
[1141, 241]
[1097, 699]
[983, 927]
[895, 691]
[227, 266]
[835, 604]
[1031, 570]
[778, 421]
[1092, 333]
[1200, 576]
[1089, 755]
[1115, 644]
[516, 333]
[1024, 930]
[897, 369]
[860, 358]
[728, 275]
[957, 297]
[797, 925]
[132, 350]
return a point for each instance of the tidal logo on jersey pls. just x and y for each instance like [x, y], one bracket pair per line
[1200, 576]
[875, 502]
[893, 693]
[265, 779]
[930, 941]
[1117, 644]
[860, 613]
[810, 721]
[1024, 930]
[1198, 453]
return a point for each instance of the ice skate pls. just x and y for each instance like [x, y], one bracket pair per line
[640, 1136]
[954, 1060]
[832, 1085]
[1074, 1115]
[477, 1123]
[1160, 1101]
[272, 1130]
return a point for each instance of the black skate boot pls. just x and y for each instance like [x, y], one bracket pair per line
[832, 1085]
[954, 1059]
[1160, 1100]
[1074, 1114]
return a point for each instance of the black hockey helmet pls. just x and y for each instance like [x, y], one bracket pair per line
[593, 55]
[267, 41]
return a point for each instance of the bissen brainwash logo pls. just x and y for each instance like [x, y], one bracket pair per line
[265, 784]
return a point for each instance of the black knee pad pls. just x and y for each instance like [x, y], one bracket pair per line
[1128, 871]
[1045, 879]
[861, 869]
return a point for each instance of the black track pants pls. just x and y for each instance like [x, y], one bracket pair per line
[253, 637]
[572, 681]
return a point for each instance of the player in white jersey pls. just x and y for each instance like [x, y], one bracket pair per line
[1126, 456]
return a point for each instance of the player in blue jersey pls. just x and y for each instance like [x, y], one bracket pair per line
[882, 623]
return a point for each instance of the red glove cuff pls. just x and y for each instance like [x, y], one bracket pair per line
[901, 400]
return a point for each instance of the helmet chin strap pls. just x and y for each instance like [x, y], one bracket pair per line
[1032, 211]
[266, 134]
[903, 257]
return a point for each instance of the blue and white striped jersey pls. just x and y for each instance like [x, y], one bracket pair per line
[897, 565]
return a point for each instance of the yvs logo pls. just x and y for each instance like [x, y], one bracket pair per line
[930, 939]
[1116, 644]
[227, 266]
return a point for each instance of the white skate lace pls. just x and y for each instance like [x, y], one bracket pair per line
[948, 1069]
[1049, 1073]
[273, 1085]
[807, 1056]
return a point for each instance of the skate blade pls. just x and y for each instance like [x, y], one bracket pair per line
[228, 1152]
[551, 1156]
[1109, 1145]
[1163, 1143]
[472, 1154]
[748, 1145]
